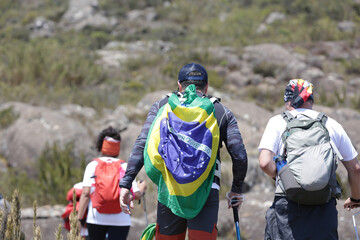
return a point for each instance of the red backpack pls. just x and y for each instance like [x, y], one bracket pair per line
[69, 208]
[105, 198]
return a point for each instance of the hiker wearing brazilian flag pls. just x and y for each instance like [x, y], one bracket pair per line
[179, 146]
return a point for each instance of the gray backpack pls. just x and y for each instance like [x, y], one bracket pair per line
[309, 176]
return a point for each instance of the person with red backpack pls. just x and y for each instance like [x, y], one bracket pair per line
[70, 207]
[101, 190]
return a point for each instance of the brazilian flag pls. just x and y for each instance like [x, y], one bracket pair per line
[180, 152]
[149, 232]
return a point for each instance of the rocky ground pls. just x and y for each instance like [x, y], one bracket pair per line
[23, 141]
[252, 220]
[46, 122]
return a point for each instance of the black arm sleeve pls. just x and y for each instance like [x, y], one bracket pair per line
[236, 148]
[136, 158]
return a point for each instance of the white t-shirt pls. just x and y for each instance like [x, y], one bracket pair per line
[271, 138]
[94, 217]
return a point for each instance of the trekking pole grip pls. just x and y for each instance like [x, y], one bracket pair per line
[236, 218]
[236, 215]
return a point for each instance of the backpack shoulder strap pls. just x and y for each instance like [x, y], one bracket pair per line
[220, 115]
[219, 111]
[97, 160]
[213, 99]
[120, 163]
[165, 100]
[219, 108]
[287, 116]
[322, 118]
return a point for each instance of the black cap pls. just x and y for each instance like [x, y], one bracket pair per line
[193, 71]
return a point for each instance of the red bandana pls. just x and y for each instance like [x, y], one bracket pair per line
[110, 146]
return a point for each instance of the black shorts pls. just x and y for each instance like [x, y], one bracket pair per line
[288, 220]
[98, 232]
[203, 226]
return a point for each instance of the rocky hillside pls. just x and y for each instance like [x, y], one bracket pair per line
[55, 92]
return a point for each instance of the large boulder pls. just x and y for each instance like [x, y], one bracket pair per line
[274, 17]
[251, 126]
[332, 50]
[115, 54]
[280, 60]
[267, 52]
[23, 142]
[83, 13]
[228, 55]
[42, 27]
[147, 15]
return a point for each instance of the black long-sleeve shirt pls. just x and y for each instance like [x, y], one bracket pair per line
[229, 135]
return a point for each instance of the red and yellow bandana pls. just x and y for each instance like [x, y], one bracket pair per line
[298, 91]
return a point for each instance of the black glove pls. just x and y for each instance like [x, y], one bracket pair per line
[82, 222]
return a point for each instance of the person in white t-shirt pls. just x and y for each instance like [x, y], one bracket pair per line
[289, 220]
[78, 187]
[99, 225]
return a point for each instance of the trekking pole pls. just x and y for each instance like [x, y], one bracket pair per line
[144, 205]
[356, 231]
[145, 212]
[236, 218]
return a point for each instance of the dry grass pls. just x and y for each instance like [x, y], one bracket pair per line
[10, 223]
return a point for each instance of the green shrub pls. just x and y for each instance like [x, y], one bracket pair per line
[268, 99]
[325, 99]
[301, 50]
[16, 15]
[315, 9]
[170, 70]
[46, 71]
[325, 30]
[7, 117]
[57, 171]
[355, 102]
[352, 66]
[134, 86]
[340, 96]
[215, 80]
[63, 69]
[7, 4]
[100, 38]
[17, 179]
[266, 69]
[47, 62]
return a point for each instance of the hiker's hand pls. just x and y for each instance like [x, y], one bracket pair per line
[234, 199]
[126, 202]
[142, 186]
[350, 205]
